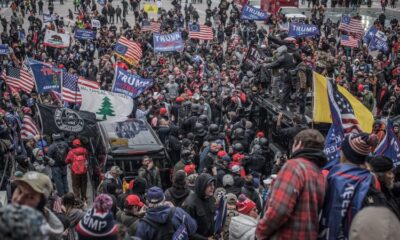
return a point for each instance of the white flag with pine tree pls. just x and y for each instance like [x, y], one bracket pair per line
[108, 106]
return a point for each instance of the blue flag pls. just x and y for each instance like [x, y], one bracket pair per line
[302, 30]
[181, 233]
[253, 13]
[47, 78]
[47, 17]
[347, 187]
[85, 34]
[129, 84]
[168, 42]
[389, 146]
[378, 44]
[4, 49]
[220, 215]
[370, 34]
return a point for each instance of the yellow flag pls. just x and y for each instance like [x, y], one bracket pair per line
[150, 8]
[321, 109]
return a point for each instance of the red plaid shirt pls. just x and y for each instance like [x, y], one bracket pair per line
[296, 199]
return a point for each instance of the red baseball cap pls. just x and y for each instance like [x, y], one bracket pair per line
[220, 154]
[179, 99]
[163, 111]
[133, 200]
[189, 169]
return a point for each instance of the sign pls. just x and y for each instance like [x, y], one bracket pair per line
[106, 105]
[46, 77]
[129, 84]
[253, 57]
[303, 30]
[253, 13]
[84, 34]
[378, 44]
[55, 119]
[101, 2]
[96, 23]
[56, 40]
[150, 8]
[4, 49]
[47, 17]
[168, 42]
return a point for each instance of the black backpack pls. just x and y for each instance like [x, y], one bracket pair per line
[164, 231]
[61, 153]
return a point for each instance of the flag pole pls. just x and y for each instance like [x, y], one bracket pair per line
[312, 101]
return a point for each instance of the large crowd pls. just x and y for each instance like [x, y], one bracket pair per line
[227, 183]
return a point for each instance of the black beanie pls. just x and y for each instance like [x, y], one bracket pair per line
[381, 164]
[356, 147]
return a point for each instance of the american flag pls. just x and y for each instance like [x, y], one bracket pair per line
[351, 25]
[235, 40]
[348, 41]
[202, 32]
[28, 127]
[128, 50]
[344, 122]
[18, 79]
[70, 91]
[154, 27]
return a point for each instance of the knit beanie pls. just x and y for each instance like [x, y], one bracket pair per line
[244, 205]
[227, 180]
[381, 164]
[98, 222]
[356, 147]
[180, 179]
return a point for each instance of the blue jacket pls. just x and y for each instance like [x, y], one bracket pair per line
[160, 215]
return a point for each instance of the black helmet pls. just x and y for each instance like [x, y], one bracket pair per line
[238, 147]
[56, 136]
[185, 154]
[238, 133]
[213, 128]
[203, 119]
[199, 129]
[264, 143]
[195, 108]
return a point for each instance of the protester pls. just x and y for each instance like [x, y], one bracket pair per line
[179, 191]
[244, 225]
[133, 210]
[149, 172]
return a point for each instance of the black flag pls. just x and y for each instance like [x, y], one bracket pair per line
[56, 119]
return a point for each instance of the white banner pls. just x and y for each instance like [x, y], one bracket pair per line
[96, 23]
[57, 40]
[106, 105]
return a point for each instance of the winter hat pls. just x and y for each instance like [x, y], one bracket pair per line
[244, 205]
[191, 179]
[180, 178]
[155, 195]
[381, 164]
[227, 159]
[231, 199]
[356, 147]
[221, 154]
[227, 180]
[22, 222]
[98, 222]
[236, 169]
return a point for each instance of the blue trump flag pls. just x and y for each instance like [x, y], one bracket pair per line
[220, 215]
[389, 146]
[302, 30]
[181, 233]
[378, 44]
[84, 34]
[4, 49]
[370, 34]
[168, 42]
[47, 77]
[129, 84]
[253, 13]
[47, 17]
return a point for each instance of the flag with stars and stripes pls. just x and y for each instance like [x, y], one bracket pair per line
[348, 41]
[28, 127]
[70, 91]
[390, 145]
[17, 78]
[128, 50]
[352, 26]
[154, 27]
[344, 122]
[200, 31]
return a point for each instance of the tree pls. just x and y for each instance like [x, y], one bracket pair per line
[106, 108]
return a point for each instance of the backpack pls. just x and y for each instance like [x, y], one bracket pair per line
[79, 165]
[164, 231]
[60, 154]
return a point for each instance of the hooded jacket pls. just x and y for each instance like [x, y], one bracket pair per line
[72, 158]
[242, 227]
[177, 194]
[129, 220]
[201, 208]
[159, 215]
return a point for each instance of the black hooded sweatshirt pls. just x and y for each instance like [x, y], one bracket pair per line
[200, 208]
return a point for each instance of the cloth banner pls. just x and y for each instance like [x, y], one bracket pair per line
[47, 17]
[47, 78]
[252, 13]
[106, 105]
[168, 42]
[4, 49]
[56, 119]
[150, 8]
[55, 39]
[129, 84]
[303, 30]
[389, 146]
[370, 34]
[84, 34]
[378, 42]
[253, 57]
